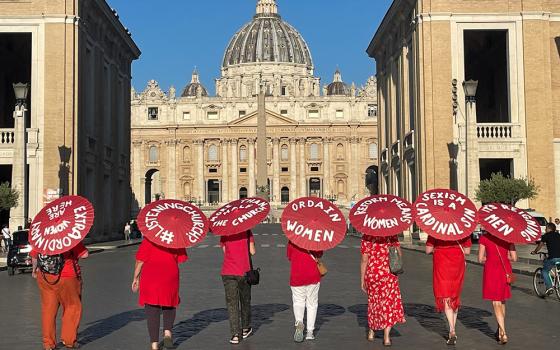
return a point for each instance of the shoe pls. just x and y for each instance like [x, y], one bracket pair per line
[235, 339]
[298, 335]
[388, 343]
[310, 336]
[370, 335]
[452, 340]
[247, 332]
[73, 346]
[168, 342]
[549, 291]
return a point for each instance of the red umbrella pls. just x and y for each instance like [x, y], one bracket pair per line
[239, 216]
[509, 223]
[61, 225]
[445, 214]
[173, 223]
[313, 223]
[381, 215]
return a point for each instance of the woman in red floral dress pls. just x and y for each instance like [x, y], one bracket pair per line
[448, 277]
[385, 307]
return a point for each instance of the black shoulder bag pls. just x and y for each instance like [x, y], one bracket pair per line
[252, 276]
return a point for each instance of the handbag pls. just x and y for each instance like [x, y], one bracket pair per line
[320, 265]
[395, 261]
[510, 277]
[253, 276]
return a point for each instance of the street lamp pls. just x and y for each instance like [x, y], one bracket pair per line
[470, 86]
[19, 178]
[21, 90]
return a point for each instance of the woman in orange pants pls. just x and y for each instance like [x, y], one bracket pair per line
[63, 289]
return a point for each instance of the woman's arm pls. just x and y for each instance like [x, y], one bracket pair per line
[136, 278]
[34, 267]
[482, 254]
[512, 253]
[429, 249]
[467, 250]
[363, 266]
[252, 249]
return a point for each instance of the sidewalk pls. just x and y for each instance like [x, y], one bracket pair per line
[93, 248]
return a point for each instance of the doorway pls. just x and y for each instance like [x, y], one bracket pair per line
[213, 191]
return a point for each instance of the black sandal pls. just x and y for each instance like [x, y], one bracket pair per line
[235, 339]
[452, 340]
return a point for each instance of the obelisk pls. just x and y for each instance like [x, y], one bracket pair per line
[263, 190]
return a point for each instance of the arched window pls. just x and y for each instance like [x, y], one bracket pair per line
[285, 155]
[243, 153]
[314, 151]
[186, 154]
[213, 153]
[341, 188]
[372, 151]
[285, 195]
[340, 151]
[154, 156]
[243, 193]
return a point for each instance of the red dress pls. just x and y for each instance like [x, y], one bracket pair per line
[494, 283]
[448, 271]
[159, 280]
[385, 307]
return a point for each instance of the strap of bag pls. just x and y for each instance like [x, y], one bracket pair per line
[313, 257]
[462, 249]
[502, 261]
[249, 249]
[74, 264]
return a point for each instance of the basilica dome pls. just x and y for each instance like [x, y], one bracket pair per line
[267, 39]
[195, 87]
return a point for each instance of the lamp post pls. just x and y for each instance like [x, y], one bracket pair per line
[470, 87]
[18, 216]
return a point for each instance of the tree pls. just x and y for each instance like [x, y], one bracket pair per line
[500, 189]
[8, 196]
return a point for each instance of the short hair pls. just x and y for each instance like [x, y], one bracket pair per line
[550, 226]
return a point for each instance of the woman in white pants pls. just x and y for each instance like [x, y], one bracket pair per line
[305, 280]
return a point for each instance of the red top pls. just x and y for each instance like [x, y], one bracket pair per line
[159, 279]
[71, 267]
[304, 269]
[236, 254]
[440, 244]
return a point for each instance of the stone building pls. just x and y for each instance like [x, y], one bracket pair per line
[192, 146]
[430, 134]
[76, 56]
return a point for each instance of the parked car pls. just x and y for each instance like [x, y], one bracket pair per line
[540, 218]
[18, 258]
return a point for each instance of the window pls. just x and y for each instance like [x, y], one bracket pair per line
[285, 195]
[285, 169]
[339, 114]
[372, 151]
[213, 153]
[243, 193]
[186, 154]
[284, 153]
[186, 115]
[242, 114]
[243, 153]
[340, 151]
[212, 115]
[314, 151]
[153, 113]
[242, 170]
[284, 112]
[314, 168]
[372, 111]
[154, 156]
[284, 90]
[313, 114]
[213, 170]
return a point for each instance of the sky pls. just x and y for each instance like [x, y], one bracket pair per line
[175, 36]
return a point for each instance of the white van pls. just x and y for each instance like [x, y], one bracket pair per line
[540, 218]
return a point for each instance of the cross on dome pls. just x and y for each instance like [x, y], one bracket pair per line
[267, 7]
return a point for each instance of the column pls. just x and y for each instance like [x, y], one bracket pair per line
[17, 214]
[171, 169]
[225, 171]
[276, 170]
[293, 170]
[252, 178]
[201, 186]
[136, 176]
[354, 171]
[302, 169]
[234, 194]
[326, 167]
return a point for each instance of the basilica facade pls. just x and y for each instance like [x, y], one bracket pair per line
[196, 147]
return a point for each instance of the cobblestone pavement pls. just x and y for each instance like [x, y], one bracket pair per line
[113, 320]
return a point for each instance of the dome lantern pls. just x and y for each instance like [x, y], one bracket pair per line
[267, 7]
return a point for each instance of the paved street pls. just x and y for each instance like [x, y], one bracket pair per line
[113, 320]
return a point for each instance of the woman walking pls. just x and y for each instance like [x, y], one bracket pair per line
[156, 276]
[385, 307]
[496, 255]
[448, 276]
[305, 281]
[60, 283]
[236, 264]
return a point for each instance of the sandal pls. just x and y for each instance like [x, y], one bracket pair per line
[503, 339]
[235, 339]
[452, 340]
[370, 336]
[387, 343]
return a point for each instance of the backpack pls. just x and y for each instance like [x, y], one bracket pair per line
[51, 264]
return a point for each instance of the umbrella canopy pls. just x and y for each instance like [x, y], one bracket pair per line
[172, 223]
[239, 216]
[445, 214]
[61, 225]
[313, 223]
[381, 215]
[509, 223]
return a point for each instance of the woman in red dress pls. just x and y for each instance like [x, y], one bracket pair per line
[156, 275]
[448, 277]
[496, 255]
[385, 307]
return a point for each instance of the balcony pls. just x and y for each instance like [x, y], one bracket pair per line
[8, 140]
[498, 131]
